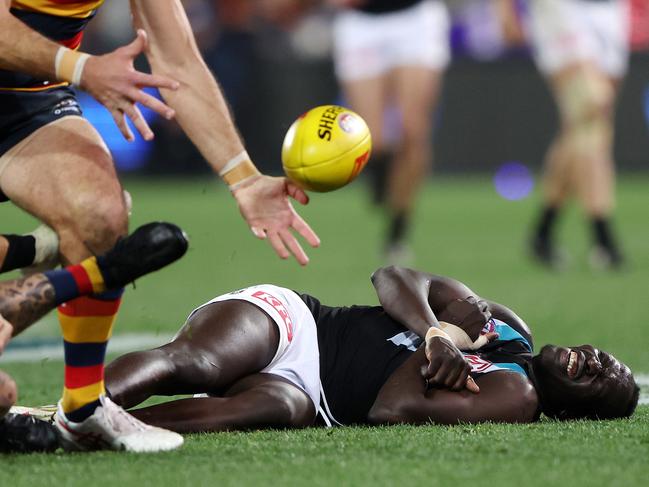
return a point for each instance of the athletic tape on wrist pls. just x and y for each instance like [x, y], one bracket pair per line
[437, 332]
[237, 170]
[69, 64]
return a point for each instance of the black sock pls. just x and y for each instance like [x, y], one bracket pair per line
[398, 227]
[603, 237]
[546, 223]
[378, 170]
[20, 252]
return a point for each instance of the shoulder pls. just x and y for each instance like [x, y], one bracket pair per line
[503, 313]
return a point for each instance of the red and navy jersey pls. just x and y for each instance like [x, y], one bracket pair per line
[62, 21]
[361, 346]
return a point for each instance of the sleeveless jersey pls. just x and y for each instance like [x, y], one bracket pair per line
[361, 346]
[62, 21]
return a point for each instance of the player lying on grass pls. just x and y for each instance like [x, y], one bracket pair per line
[265, 356]
[23, 301]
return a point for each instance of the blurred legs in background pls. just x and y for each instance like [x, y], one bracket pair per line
[394, 59]
[582, 48]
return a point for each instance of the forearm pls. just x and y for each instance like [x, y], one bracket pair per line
[403, 293]
[24, 301]
[402, 397]
[200, 108]
[23, 49]
[405, 398]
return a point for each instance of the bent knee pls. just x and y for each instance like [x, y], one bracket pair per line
[95, 224]
[586, 100]
[292, 406]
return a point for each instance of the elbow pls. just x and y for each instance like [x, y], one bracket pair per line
[388, 413]
[386, 272]
[528, 410]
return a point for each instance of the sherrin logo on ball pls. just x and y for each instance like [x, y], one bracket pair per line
[326, 148]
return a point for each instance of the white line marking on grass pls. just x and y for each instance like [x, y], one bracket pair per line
[36, 350]
[643, 381]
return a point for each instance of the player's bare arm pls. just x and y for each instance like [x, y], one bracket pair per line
[406, 397]
[111, 78]
[418, 300]
[25, 300]
[203, 114]
[6, 331]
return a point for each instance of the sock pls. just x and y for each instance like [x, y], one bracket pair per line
[603, 237]
[86, 324]
[378, 170]
[546, 223]
[21, 251]
[77, 280]
[398, 227]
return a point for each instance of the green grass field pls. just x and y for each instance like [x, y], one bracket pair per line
[464, 230]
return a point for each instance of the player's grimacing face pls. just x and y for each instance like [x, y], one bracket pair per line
[582, 382]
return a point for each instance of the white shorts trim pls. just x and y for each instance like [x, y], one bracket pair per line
[369, 45]
[564, 32]
[297, 358]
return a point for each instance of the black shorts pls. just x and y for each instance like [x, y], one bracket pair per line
[23, 112]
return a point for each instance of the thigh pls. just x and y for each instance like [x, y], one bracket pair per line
[63, 174]
[257, 401]
[416, 90]
[369, 97]
[234, 337]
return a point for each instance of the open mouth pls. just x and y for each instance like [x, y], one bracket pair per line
[575, 364]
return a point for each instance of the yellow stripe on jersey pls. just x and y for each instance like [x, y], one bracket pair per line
[77, 9]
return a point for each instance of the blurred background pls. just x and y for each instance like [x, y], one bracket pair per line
[273, 64]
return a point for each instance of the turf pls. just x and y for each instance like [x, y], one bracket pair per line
[464, 230]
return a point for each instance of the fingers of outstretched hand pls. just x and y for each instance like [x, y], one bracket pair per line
[120, 121]
[260, 233]
[152, 103]
[133, 112]
[294, 246]
[138, 45]
[296, 192]
[277, 244]
[306, 231]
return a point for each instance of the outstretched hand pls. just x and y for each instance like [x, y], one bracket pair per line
[264, 204]
[113, 81]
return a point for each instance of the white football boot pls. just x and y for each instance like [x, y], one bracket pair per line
[111, 428]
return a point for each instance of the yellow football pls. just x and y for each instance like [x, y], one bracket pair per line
[326, 148]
